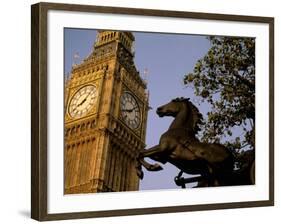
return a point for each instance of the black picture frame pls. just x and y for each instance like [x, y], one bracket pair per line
[39, 108]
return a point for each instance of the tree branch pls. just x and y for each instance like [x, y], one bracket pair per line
[245, 81]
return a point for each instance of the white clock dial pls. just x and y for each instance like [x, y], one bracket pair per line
[83, 101]
[130, 110]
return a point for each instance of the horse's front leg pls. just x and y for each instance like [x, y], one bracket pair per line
[150, 167]
[157, 152]
[148, 153]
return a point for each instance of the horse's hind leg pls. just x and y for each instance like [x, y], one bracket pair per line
[208, 179]
[213, 180]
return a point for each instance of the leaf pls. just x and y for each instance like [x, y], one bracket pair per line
[225, 78]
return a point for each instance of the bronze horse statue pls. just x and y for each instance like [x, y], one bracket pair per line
[180, 147]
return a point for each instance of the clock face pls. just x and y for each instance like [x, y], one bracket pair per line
[130, 110]
[83, 101]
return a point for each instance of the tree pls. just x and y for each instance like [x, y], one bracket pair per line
[225, 78]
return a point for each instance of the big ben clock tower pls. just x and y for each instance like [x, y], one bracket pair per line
[105, 118]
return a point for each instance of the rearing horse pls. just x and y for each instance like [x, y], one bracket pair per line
[180, 146]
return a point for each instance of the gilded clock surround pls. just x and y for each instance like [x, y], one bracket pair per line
[100, 148]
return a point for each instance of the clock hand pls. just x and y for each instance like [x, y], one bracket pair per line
[131, 110]
[134, 108]
[128, 110]
[83, 101]
[89, 94]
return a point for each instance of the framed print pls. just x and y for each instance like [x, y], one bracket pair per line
[138, 111]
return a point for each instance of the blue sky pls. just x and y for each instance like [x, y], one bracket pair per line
[167, 58]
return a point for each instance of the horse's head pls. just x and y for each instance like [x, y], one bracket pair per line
[172, 108]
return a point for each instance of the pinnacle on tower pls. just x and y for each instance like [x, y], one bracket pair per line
[105, 37]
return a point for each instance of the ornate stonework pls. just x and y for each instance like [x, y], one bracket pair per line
[100, 145]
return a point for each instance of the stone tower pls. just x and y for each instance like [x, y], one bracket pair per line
[106, 108]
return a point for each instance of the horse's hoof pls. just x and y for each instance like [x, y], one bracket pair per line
[156, 167]
[140, 174]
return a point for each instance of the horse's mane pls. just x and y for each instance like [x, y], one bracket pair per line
[196, 115]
